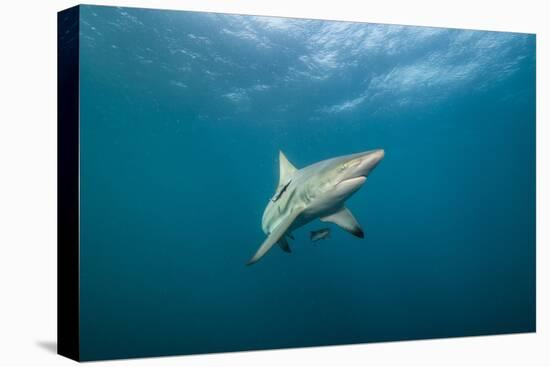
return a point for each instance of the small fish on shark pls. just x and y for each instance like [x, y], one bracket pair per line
[320, 234]
[316, 191]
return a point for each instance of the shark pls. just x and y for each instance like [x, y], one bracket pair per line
[317, 191]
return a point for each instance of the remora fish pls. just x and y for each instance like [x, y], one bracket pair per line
[316, 191]
[320, 234]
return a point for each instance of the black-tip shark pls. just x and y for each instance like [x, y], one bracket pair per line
[316, 191]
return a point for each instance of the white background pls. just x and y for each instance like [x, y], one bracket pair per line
[28, 183]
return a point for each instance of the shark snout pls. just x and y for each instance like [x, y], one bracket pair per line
[354, 172]
[367, 162]
[379, 153]
[375, 158]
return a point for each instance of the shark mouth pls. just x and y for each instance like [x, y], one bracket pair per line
[351, 184]
[354, 180]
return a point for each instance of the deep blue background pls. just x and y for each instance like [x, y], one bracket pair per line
[182, 117]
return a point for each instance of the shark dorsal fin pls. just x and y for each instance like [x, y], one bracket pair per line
[286, 169]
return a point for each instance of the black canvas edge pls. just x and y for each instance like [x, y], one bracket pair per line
[68, 284]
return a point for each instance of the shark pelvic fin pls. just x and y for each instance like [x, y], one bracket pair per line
[274, 236]
[283, 244]
[286, 169]
[345, 220]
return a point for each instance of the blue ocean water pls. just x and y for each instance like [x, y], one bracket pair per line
[182, 117]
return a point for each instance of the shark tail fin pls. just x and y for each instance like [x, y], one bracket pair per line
[283, 244]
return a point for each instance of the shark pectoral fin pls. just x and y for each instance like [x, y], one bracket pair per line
[274, 236]
[345, 220]
[283, 244]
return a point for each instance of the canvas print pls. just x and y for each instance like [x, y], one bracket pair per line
[250, 182]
